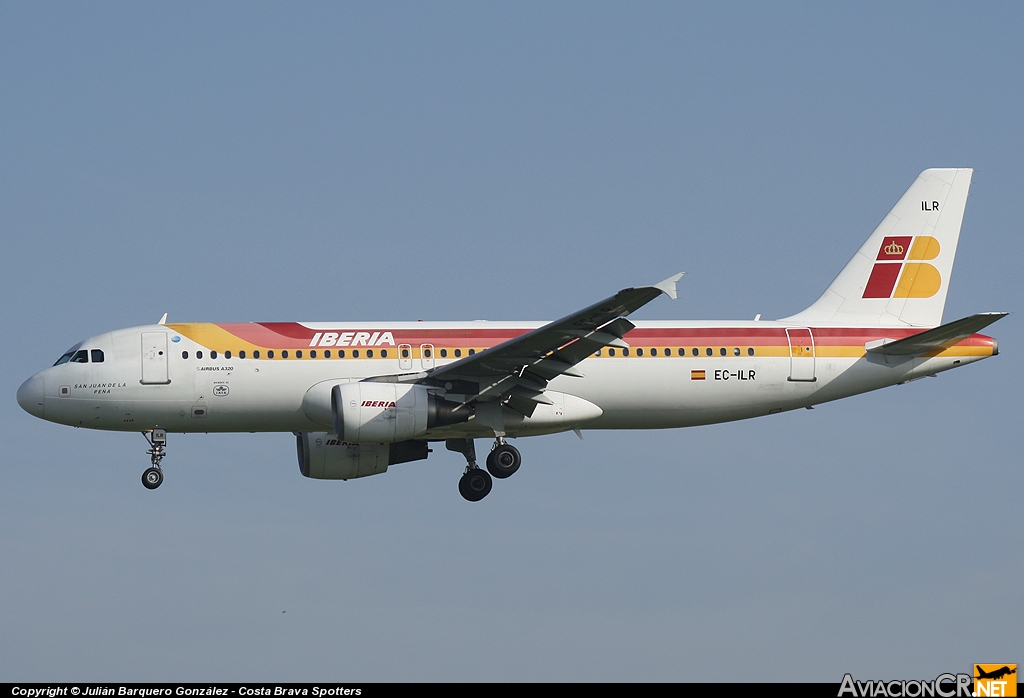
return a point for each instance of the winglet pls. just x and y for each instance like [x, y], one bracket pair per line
[668, 286]
[163, 320]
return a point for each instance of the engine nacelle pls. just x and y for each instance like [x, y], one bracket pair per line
[324, 456]
[369, 412]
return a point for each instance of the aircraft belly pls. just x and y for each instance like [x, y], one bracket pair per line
[671, 392]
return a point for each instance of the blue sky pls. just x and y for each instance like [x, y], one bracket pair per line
[247, 161]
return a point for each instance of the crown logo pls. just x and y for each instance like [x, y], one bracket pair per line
[894, 248]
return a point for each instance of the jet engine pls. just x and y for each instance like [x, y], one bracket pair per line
[324, 456]
[370, 412]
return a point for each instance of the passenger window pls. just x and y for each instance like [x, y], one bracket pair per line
[722, 351]
[298, 353]
[611, 352]
[472, 351]
[327, 353]
[750, 351]
[284, 353]
[241, 354]
[199, 354]
[383, 353]
[341, 353]
[736, 351]
[710, 352]
[213, 355]
[369, 353]
[227, 354]
[256, 353]
[97, 356]
[426, 353]
[625, 352]
[639, 352]
[312, 353]
[458, 353]
[405, 353]
[444, 353]
[696, 351]
[682, 352]
[668, 352]
[184, 354]
[355, 353]
[270, 353]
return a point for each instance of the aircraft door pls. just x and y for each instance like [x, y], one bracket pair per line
[801, 354]
[427, 356]
[154, 358]
[405, 357]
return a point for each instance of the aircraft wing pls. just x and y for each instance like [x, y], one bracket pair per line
[518, 371]
[938, 338]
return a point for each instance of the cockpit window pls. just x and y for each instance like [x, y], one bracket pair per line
[97, 356]
[81, 357]
[68, 354]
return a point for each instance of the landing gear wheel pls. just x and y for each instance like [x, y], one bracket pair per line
[503, 461]
[152, 478]
[475, 485]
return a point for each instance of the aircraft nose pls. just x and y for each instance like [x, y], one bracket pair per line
[30, 396]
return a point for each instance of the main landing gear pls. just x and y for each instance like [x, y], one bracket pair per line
[502, 461]
[154, 476]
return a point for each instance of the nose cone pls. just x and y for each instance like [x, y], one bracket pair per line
[30, 396]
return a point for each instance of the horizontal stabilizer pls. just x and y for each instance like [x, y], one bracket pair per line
[938, 338]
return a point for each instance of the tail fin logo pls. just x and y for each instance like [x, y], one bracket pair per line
[894, 248]
[917, 279]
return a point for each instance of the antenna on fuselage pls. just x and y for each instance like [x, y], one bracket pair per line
[163, 320]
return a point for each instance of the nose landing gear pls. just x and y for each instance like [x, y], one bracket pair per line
[154, 476]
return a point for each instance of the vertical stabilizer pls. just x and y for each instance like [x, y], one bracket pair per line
[901, 274]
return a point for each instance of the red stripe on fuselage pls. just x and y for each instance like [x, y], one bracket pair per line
[287, 335]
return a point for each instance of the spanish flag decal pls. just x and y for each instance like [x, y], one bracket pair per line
[697, 375]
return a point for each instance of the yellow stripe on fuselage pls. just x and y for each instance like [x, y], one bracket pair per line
[212, 337]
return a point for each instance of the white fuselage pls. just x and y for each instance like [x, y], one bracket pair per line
[757, 373]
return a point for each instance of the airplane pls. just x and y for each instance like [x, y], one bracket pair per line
[360, 397]
[995, 674]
